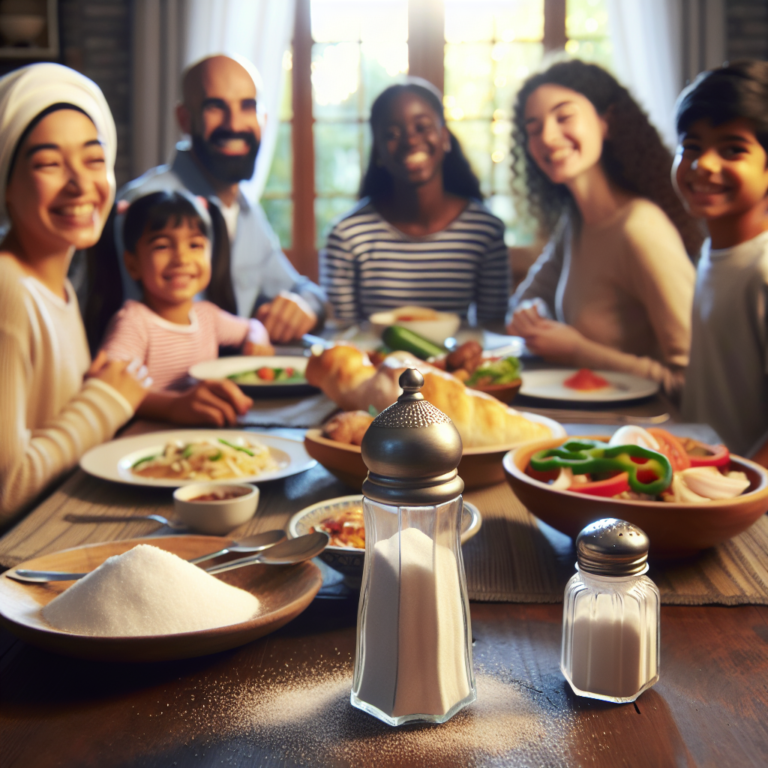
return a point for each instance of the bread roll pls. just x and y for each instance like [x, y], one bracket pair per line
[346, 375]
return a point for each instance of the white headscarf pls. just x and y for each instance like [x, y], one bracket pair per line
[26, 92]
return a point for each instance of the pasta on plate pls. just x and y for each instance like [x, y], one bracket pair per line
[210, 459]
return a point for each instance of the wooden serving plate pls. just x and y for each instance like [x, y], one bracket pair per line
[674, 530]
[284, 592]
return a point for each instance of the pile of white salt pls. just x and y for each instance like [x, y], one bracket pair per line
[148, 591]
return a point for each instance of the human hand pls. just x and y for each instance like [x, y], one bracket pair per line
[258, 350]
[210, 402]
[556, 342]
[526, 316]
[287, 317]
[130, 379]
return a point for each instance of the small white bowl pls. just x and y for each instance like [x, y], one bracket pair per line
[437, 331]
[216, 517]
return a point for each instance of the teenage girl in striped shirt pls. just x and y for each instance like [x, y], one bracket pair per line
[168, 251]
[420, 234]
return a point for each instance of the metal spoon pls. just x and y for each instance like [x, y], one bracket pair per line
[286, 553]
[255, 543]
[72, 518]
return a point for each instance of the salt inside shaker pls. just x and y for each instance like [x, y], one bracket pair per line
[611, 614]
[414, 655]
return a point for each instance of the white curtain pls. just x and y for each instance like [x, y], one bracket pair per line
[170, 34]
[659, 45]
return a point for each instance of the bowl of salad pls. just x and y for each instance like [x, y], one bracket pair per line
[496, 375]
[686, 495]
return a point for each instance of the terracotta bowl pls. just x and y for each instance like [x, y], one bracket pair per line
[478, 467]
[504, 392]
[675, 530]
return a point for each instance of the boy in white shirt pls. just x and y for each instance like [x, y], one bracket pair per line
[721, 174]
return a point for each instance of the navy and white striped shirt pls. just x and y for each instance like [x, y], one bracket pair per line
[368, 265]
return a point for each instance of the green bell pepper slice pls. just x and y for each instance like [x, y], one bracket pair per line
[593, 456]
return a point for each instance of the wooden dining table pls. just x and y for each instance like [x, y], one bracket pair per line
[283, 700]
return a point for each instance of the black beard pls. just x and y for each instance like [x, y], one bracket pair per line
[229, 169]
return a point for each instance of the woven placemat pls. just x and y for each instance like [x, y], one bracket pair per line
[513, 558]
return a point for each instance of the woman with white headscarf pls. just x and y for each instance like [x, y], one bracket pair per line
[57, 183]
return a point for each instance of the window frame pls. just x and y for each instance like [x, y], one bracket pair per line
[426, 51]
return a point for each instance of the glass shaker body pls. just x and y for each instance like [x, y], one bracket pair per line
[610, 647]
[414, 653]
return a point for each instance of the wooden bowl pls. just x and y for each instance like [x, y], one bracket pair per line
[504, 392]
[284, 592]
[478, 466]
[675, 530]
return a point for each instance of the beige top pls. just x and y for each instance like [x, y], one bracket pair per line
[626, 284]
[49, 417]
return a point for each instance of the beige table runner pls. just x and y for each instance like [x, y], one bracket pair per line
[512, 558]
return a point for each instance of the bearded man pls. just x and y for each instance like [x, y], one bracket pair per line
[219, 113]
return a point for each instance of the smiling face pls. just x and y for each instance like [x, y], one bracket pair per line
[59, 193]
[219, 112]
[720, 171]
[173, 265]
[412, 140]
[565, 133]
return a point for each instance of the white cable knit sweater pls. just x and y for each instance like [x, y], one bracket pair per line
[48, 416]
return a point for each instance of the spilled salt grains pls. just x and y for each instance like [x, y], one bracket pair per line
[148, 591]
[309, 720]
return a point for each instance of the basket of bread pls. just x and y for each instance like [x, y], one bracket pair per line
[488, 427]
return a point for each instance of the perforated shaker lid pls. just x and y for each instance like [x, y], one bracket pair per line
[412, 450]
[612, 547]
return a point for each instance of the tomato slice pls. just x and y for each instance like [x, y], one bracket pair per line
[266, 374]
[672, 448]
[610, 487]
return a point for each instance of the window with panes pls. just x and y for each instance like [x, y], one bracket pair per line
[345, 52]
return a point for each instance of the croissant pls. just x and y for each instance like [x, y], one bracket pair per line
[347, 376]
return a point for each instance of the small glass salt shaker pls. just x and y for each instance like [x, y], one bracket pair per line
[611, 615]
[414, 641]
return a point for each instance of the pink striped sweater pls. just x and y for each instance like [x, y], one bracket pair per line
[169, 350]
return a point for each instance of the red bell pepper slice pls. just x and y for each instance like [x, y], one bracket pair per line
[610, 487]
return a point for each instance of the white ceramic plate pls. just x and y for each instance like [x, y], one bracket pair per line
[223, 367]
[548, 384]
[113, 460]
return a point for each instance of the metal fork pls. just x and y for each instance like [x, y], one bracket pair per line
[174, 526]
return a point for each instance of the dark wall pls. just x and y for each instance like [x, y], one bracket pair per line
[95, 37]
[747, 33]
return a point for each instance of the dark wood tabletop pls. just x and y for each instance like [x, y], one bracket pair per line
[283, 700]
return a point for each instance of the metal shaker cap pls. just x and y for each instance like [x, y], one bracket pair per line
[612, 547]
[412, 450]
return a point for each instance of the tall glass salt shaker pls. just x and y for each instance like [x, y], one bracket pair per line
[610, 645]
[414, 653]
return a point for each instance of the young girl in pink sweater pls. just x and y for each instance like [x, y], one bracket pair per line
[168, 251]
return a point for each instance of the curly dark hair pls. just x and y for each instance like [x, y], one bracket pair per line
[458, 177]
[634, 157]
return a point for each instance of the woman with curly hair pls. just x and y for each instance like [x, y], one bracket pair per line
[420, 234]
[613, 288]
